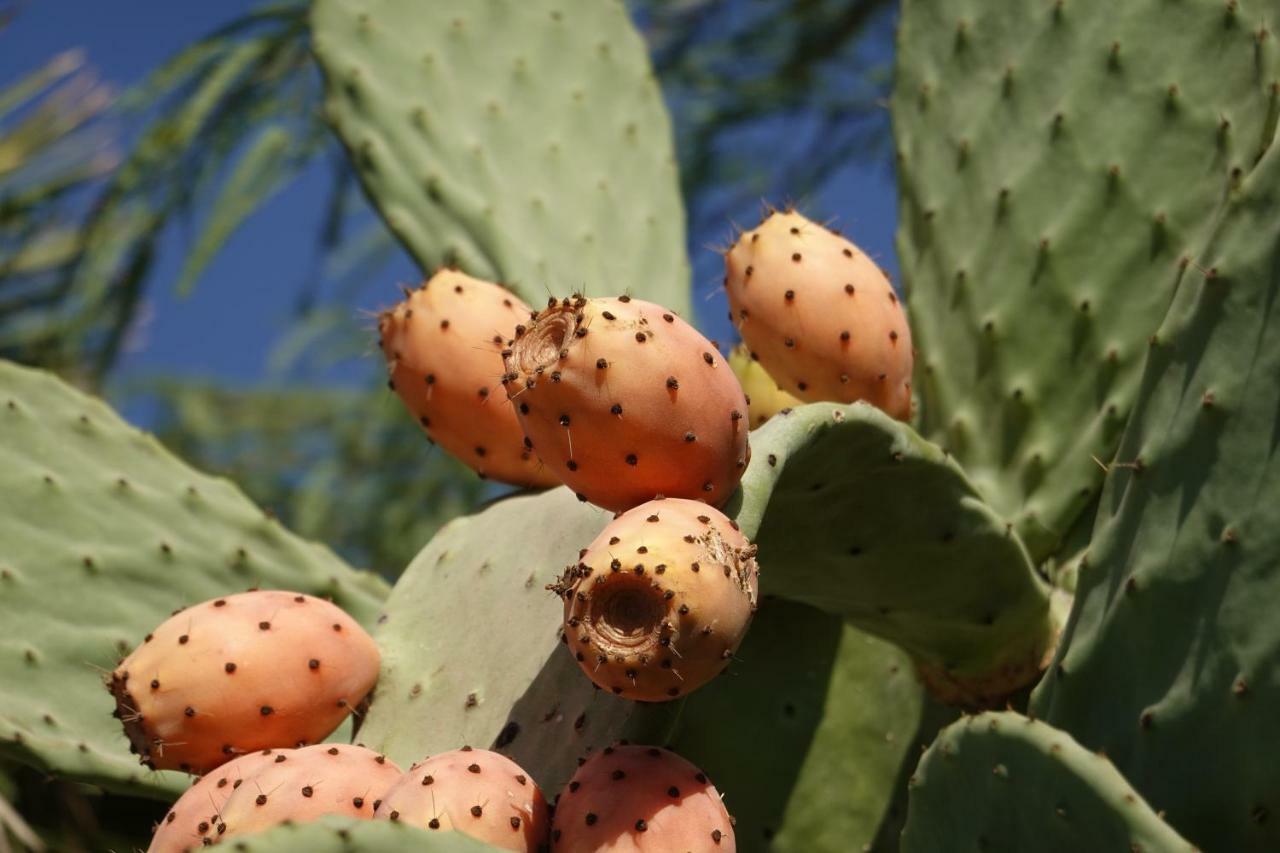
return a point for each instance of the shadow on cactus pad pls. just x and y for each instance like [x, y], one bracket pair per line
[857, 515]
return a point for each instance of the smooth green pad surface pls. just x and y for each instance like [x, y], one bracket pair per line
[524, 139]
[857, 515]
[1172, 653]
[833, 716]
[1003, 782]
[471, 650]
[347, 835]
[1056, 159]
[102, 534]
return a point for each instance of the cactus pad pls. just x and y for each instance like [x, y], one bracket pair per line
[102, 534]
[1001, 781]
[1174, 620]
[525, 140]
[857, 515]
[1055, 161]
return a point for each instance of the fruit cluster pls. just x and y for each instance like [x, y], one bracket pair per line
[634, 410]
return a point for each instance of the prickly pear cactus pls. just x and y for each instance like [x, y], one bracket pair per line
[1001, 781]
[842, 701]
[1055, 161]
[895, 517]
[347, 835]
[524, 139]
[102, 534]
[1174, 621]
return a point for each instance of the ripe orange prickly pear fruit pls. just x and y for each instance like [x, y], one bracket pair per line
[305, 784]
[822, 318]
[764, 398]
[661, 600]
[476, 792]
[628, 799]
[443, 345]
[625, 401]
[199, 810]
[242, 673]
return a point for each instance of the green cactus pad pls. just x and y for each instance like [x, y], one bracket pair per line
[1055, 161]
[471, 644]
[1171, 657]
[833, 724]
[1001, 781]
[857, 515]
[525, 140]
[103, 533]
[348, 835]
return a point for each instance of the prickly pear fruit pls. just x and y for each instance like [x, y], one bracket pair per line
[442, 346]
[626, 401]
[480, 793]
[661, 600]
[764, 398]
[242, 673]
[199, 810]
[640, 798]
[305, 784]
[819, 314]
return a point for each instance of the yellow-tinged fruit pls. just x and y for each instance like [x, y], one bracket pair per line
[443, 346]
[659, 602]
[819, 315]
[625, 401]
[241, 673]
[476, 792]
[764, 398]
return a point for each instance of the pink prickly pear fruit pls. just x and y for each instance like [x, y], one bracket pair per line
[237, 674]
[475, 792]
[199, 810]
[443, 347]
[819, 314]
[305, 784]
[764, 398]
[661, 600]
[634, 799]
[626, 401]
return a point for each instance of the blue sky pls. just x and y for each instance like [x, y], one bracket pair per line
[229, 325]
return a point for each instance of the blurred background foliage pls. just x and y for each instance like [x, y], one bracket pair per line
[770, 99]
